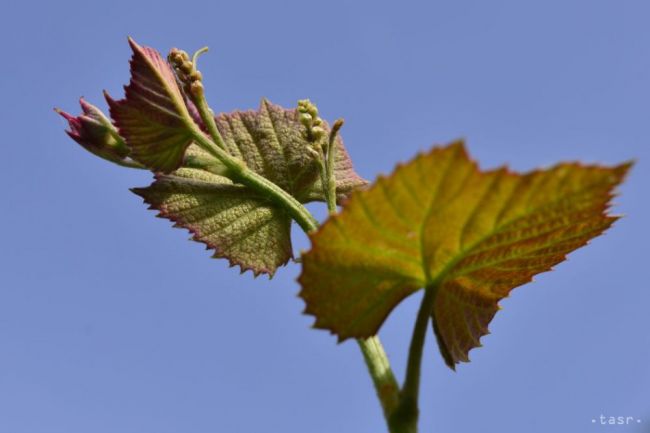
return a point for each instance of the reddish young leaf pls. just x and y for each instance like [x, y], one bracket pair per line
[153, 117]
[470, 235]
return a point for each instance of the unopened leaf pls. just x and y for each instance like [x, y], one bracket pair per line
[153, 117]
[241, 225]
[440, 222]
[95, 133]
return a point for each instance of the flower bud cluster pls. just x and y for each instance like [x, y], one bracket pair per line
[308, 116]
[186, 72]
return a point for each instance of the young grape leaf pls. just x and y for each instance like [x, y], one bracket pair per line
[470, 235]
[239, 224]
[153, 117]
[272, 142]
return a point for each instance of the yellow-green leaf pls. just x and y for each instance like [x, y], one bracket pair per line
[441, 222]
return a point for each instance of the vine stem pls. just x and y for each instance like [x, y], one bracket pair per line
[405, 417]
[375, 357]
[330, 188]
[381, 373]
[240, 173]
[373, 351]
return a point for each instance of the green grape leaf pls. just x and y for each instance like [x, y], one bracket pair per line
[272, 142]
[238, 223]
[440, 222]
[347, 180]
[153, 117]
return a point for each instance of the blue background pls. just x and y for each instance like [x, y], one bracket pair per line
[110, 321]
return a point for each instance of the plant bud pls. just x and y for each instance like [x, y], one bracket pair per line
[95, 132]
[177, 57]
[196, 88]
[317, 132]
[314, 153]
[186, 67]
[305, 119]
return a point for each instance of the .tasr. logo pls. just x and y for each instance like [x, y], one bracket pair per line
[615, 420]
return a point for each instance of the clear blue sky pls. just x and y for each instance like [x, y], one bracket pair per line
[112, 322]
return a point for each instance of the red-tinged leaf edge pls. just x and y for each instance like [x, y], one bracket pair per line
[153, 117]
[194, 230]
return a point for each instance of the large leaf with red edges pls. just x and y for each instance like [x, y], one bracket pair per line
[470, 235]
[153, 117]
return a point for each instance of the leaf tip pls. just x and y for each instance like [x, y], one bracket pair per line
[458, 145]
[624, 169]
[109, 99]
[65, 115]
[133, 44]
[340, 339]
[140, 192]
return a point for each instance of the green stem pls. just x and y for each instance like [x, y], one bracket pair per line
[240, 173]
[196, 55]
[325, 178]
[382, 375]
[373, 352]
[208, 120]
[202, 106]
[331, 198]
[405, 418]
[330, 188]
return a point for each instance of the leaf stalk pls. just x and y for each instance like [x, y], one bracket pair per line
[405, 417]
[381, 373]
